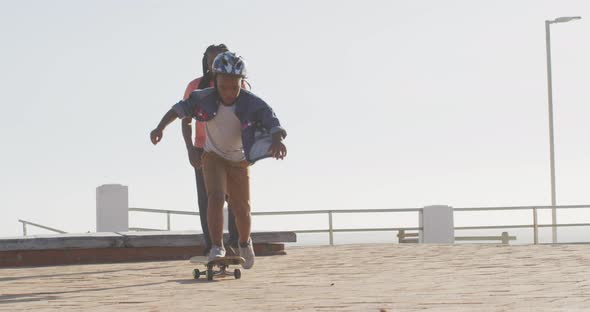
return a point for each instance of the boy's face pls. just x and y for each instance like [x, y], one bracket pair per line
[228, 87]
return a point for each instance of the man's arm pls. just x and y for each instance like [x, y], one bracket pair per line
[156, 134]
[187, 132]
[194, 153]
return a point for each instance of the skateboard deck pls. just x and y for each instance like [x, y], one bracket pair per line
[217, 267]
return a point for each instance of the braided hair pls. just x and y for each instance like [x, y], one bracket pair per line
[206, 80]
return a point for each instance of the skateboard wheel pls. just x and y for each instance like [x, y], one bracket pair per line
[196, 273]
[237, 273]
[209, 274]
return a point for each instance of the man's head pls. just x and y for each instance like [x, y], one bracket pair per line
[210, 54]
[229, 70]
[208, 57]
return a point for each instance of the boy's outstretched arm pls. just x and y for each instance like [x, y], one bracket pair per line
[277, 149]
[156, 134]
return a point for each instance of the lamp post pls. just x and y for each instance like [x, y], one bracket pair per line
[551, 137]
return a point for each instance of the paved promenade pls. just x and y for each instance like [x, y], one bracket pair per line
[342, 278]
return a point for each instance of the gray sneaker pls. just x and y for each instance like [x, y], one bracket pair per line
[216, 252]
[248, 254]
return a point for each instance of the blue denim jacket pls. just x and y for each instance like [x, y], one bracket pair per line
[258, 120]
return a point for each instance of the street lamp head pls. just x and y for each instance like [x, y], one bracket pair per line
[565, 19]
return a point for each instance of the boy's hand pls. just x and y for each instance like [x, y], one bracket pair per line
[278, 150]
[156, 135]
[194, 156]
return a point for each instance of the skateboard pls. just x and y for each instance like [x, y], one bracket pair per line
[217, 267]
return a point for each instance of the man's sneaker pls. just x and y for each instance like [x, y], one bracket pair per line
[206, 251]
[247, 252]
[232, 248]
[231, 251]
[216, 252]
[232, 242]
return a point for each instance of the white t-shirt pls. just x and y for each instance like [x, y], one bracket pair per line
[224, 134]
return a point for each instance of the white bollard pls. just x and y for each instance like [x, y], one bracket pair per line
[437, 225]
[112, 208]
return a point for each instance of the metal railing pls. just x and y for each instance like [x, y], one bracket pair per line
[25, 223]
[504, 238]
[331, 230]
[534, 225]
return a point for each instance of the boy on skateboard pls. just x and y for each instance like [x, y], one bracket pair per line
[241, 129]
[195, 149]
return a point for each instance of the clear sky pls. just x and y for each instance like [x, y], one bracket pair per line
[388, 104]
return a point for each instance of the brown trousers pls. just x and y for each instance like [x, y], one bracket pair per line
[232, 178]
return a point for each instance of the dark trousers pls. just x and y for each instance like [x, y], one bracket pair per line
[202, 201]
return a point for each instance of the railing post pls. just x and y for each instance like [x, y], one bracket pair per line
[24, 229]
[505, 238]
[535, 227]
[331, 229]
[168, 220]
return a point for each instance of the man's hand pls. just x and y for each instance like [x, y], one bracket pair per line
[156, 135]
[194, 156]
